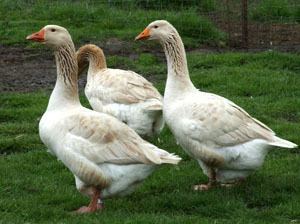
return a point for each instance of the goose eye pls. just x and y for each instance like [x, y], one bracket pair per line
[53, 30]
[155, 26]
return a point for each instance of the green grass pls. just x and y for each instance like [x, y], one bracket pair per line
[97, 20]
[275, 11]
[90, 21]
[36, 188]
[202, 5]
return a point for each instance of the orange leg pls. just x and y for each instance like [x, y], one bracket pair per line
[94, 205]
[212, 182]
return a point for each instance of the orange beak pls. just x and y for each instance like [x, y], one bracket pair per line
[143, 35]
[38, 36]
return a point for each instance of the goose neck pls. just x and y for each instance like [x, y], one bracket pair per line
[65, 92]
[175, 54]
[178, 75]
[91, 56]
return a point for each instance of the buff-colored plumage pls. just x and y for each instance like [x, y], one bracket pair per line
[121, 93]
[83, 139]
[226, 141]
[106, 157]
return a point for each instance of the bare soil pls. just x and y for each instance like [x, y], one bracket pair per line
[24, 69]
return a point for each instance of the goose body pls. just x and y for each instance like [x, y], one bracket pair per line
[121, 93]
[227, 142]
[106, 157]
[233, 161]
[77, 136]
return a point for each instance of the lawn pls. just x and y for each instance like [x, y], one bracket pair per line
[280, 11]
[98, 20]
[93, 20]
[36, 188]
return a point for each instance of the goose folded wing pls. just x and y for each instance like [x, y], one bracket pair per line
[104, 139]
[125, 87]
[224, 124]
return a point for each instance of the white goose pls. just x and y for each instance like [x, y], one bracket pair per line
[123, 94]
[226, 141]
[106, 157]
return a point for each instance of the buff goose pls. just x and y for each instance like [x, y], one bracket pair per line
[106, 157]
[226, 141]
[123, 94]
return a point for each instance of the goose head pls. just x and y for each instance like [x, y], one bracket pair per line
[157, 30]
[51, 35]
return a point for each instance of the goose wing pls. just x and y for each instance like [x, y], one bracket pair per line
[104, 139]
[125, 87]
[220, 123]
[91, 139]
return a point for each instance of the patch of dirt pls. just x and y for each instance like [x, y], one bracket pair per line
[24, 69]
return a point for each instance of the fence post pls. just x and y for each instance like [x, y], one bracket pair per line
[245, 23]
[227, 11]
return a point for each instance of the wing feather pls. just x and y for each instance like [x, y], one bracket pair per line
[220, 123]
[104, 139]
[121, 86]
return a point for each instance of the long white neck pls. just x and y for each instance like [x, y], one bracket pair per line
[65, 92]
[178, 80]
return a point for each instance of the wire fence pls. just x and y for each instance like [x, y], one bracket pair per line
[260, 24]
[233, 24]
[254, 24]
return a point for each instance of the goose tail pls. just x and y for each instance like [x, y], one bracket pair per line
[170, 158]
[279, 142]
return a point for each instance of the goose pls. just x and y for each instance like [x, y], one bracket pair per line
[226, 141]
[106, 157]
[123, 94]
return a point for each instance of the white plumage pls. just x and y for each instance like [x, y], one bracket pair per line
[123, 94]
[106, 157]
[99, 149]
[226, 141]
